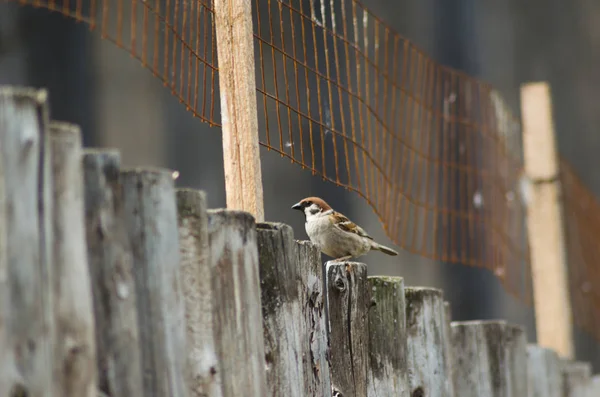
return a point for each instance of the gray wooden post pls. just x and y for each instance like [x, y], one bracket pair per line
[150, 215]
[237, 308]
[387, 338]
[348, 302]
[425, 324]
[281, 294]
[315, 347]
[203, 378]
[489, 359]
[577, 378]
[111, 271]
[26, 322]
[595, 386]
[74, 343]
[543, 372]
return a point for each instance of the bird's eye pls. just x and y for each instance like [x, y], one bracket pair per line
[309, 203]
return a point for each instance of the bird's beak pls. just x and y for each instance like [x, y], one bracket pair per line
[297, 206]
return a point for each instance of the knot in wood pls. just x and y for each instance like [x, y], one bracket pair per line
[418, 392]
[340, 283]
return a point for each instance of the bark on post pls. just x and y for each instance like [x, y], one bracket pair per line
[348, 301]
[281, 309]
[74, 343]
[387, 338]
[425, 323]
[315, 347]
[236, 289]
[110, 260]
[489, 359]
[25, 272]
[150, 215]
[544, 372]
[203, 378]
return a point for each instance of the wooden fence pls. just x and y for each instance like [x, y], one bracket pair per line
[112, 282]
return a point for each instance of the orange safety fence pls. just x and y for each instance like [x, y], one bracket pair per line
[581, 212]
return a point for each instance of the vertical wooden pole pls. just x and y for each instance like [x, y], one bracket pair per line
[26, 320]
[237, 317]
[150, 216]
[110, 258]
[388, 373]
[282, 298]
[243, 181]
[348, 299]
[203, 378]
[545, 227]
[426, 332]
[74, 342]
[544, 372]
[315, 348]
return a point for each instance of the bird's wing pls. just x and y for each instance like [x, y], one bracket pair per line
[341, 222]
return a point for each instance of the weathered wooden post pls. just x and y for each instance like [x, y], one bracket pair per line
[577, 379]
[490, 359]
[387, 338]
[544, 372]
[595, 387]
[74, 342]
[315, 347]
[281, 297]
[425, 330]
[237, 308]
[150, 215]
[203, 378]
[110, 260]
[26, 322]
[348, 302]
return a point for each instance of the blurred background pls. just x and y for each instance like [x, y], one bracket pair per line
[119, 104]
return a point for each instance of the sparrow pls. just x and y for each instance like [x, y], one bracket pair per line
[335, 234]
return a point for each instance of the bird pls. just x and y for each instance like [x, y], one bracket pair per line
[334, 234]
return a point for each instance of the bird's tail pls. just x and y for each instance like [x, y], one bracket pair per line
[384, 249]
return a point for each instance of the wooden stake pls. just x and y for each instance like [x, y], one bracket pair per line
[544, 221]
[243, 181]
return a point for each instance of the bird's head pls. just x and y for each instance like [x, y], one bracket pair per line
[311, 206]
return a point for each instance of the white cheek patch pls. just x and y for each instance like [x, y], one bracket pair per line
[313, 209]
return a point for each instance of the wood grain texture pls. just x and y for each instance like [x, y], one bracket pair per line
[449, 363]
[425, 343]
[544, 372]
[577, 379]
[553, 312]
[110, 260]
[150, 215]
[26, 365]
[281, 292]
[348, 300]
[489, 359]
[74, 343]
[237, 311]
[203, 378]
[315, 346]
[387, 338]
[237, 87]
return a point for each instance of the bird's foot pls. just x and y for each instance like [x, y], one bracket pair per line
[342, 259]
